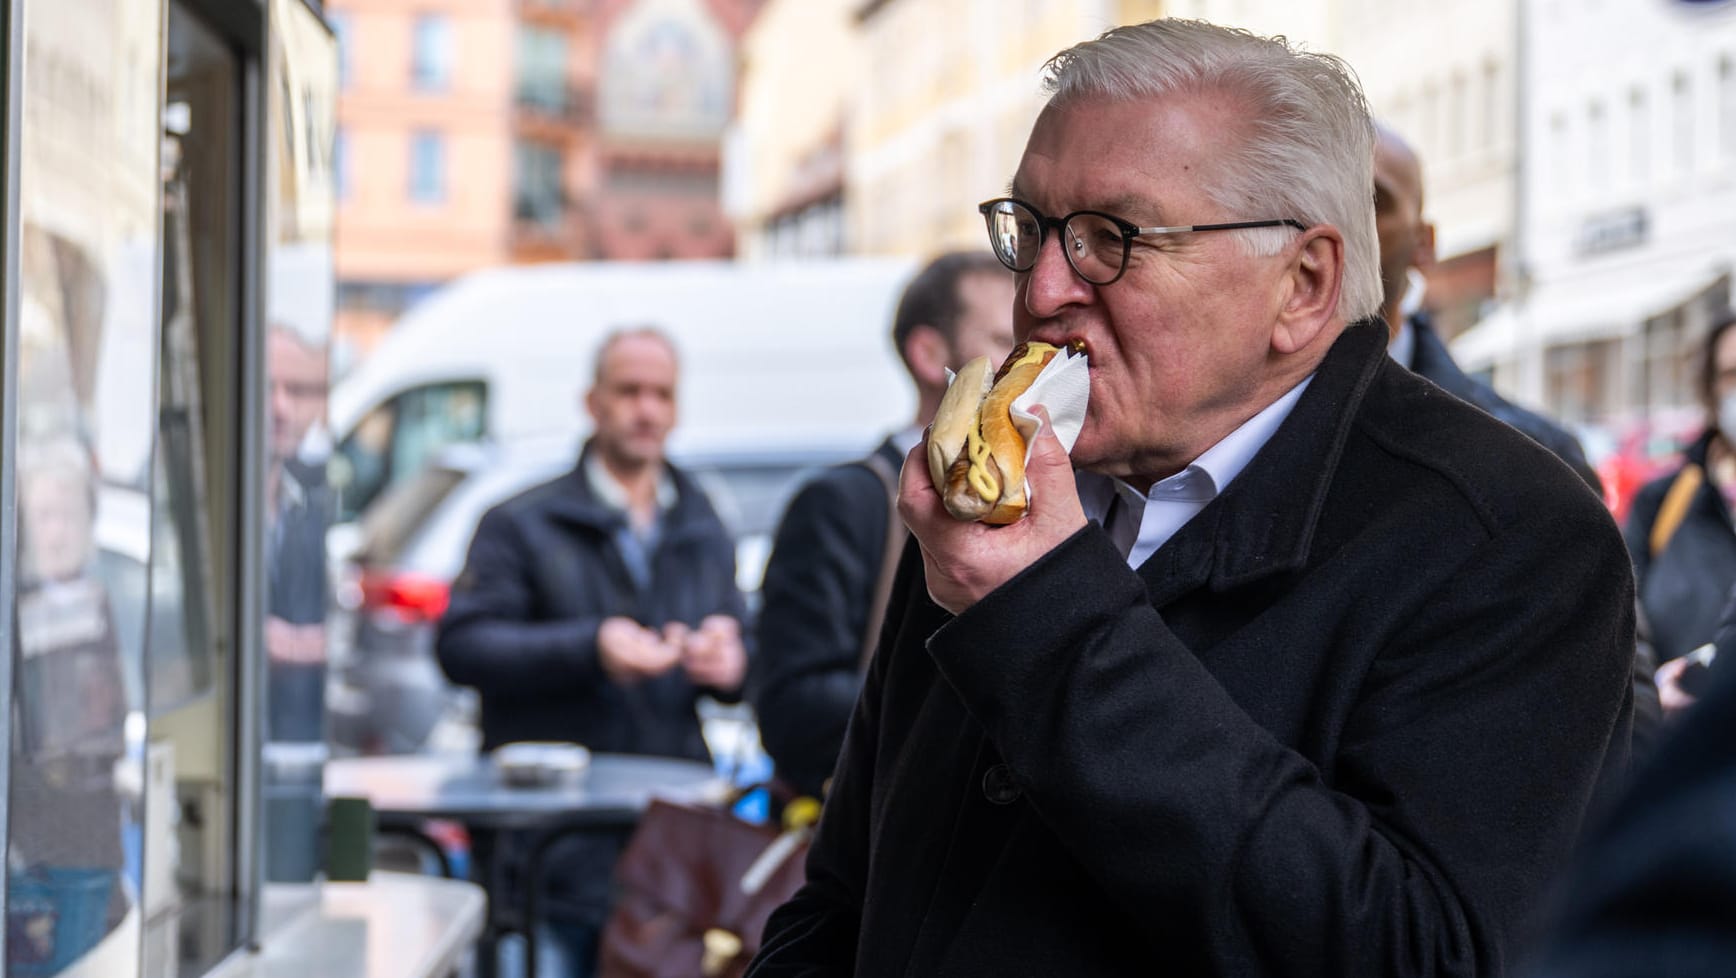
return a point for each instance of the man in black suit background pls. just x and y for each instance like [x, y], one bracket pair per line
[832, 544]
[1407, 246]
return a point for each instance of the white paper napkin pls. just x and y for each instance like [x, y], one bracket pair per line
[1064, 388]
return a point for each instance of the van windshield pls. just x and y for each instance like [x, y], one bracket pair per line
[396, 439]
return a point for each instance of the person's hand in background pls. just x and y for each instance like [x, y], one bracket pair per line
[714, 656]
[630, 652]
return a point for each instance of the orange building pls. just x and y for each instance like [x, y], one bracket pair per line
[474, 133]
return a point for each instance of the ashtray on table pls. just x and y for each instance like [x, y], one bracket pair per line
[538, 764]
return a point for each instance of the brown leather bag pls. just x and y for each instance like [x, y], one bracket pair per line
[696, 885]
[695, 888]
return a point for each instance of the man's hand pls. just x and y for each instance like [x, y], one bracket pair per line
[965, 561]
[713, 656]
[291, 644]
[1671, 696]
[630, 652]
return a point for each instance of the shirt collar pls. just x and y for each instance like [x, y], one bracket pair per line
[611, 494]
[1403, 347]
[1218, 466]
[291, 494]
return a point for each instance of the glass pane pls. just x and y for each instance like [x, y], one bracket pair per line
[427, 167]
[298, 500]
[390, 526]
[430, 418]
[89, 195]
[361, 466]
[432, 55]
[190, 890]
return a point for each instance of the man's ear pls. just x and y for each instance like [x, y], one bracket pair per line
[588, 401]
[1315, 277]
[1424, 259]
[927, 352]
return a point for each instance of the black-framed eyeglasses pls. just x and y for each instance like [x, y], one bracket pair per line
[1096, 244]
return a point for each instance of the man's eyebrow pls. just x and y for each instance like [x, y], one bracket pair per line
[1127, 205]
[1119, 205]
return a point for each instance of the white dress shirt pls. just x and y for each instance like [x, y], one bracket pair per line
[1144, 522]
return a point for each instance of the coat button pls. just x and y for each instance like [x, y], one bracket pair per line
[999, 786]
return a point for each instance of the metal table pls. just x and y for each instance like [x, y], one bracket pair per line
[406, 791]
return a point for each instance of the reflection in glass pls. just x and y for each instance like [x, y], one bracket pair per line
[297, 500]
[88, 188]
[190, 889]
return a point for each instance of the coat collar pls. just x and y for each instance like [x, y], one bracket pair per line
[575, 501]
[1263, 524]
[1431, 360]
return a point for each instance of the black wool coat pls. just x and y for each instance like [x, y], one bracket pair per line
[542, 573]
[819, 582]
[1433, 362]
[1346, 722]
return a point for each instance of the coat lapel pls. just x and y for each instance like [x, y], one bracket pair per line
[1264, 522]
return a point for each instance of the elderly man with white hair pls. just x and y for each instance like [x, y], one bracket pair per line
[1308, 669]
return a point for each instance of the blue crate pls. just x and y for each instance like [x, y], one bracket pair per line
[54, 915]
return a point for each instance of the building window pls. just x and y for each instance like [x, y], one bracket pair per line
[1431, 118]
[1561, 154]
[340, 23]
[1458, 101]
[542, 68]
[1639, 137]
[1597, 155]
[427, 168]
[1683, 95]
[340, 164]
[431, 53]
[1726, 106]
[538, 197]
[1491, 105]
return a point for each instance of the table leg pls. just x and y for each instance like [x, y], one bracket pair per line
[539, 853]
[487, 873]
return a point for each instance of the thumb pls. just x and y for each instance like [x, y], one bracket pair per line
[1050, 473]
[1049, 461]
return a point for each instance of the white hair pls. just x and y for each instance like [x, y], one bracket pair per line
[1306, 146]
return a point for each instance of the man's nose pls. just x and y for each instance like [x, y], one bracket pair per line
[1051, 285]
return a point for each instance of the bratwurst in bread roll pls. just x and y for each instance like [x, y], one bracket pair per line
[976, 456]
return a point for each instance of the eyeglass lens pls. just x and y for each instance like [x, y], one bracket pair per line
[1094, 244]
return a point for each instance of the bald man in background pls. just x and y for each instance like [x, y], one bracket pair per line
[1407, 245]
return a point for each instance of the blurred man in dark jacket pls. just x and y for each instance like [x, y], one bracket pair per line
[598, 607]
[298, 506]
[832, 544]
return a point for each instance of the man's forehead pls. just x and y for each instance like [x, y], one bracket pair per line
[1134, 157]
[638, 368]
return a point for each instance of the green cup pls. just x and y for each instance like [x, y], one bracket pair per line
[350, 854]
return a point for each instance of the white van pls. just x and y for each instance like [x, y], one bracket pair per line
[777, 357]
